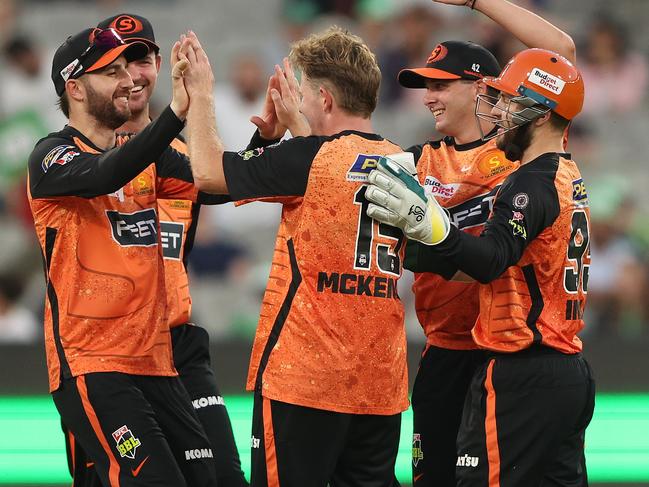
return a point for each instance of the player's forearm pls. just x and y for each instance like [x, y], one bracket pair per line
[205, 146]
[529, 28]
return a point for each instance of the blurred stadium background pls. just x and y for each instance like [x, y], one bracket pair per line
[233, 248]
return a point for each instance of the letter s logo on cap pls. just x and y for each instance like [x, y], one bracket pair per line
[437, 54]
[125, 24]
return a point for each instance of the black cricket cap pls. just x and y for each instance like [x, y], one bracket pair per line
[88, 51]
[452, 60]
[132, 28]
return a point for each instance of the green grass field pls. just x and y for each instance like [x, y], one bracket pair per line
[32, 448]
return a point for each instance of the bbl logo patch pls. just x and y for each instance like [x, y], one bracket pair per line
[249, 154]
[362, 166]
[127, 443]
[417, 452]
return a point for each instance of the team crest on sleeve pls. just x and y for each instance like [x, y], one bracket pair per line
[60, 155]
[249, 154]
[520, 201]
[362, 166]
[127, 443]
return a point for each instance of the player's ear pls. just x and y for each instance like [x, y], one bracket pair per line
[544, 119]
[479, 87]
[75, 89]
[327, 99]
[158, 62]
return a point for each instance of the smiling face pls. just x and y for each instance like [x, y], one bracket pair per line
[452, 103]
[107, 94]
[144, 73]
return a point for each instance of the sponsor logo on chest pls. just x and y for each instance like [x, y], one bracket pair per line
[171, 239]
[474, 211]
[134, 229]
[434, 187]
[361, 167]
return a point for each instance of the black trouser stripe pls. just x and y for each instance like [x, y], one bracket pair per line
[296, 279]
[537, 301]
[50, 238]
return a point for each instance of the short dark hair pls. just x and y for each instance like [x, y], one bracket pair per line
[64, 104]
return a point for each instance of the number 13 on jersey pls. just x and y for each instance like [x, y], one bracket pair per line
[386, 254]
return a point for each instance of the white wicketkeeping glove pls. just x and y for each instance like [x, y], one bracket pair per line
[399, 200]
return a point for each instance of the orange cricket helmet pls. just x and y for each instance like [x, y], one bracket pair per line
[544, 76]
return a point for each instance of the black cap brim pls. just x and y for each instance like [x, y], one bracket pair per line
[417, 77]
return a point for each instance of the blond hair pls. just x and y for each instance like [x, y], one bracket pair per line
[344, 64]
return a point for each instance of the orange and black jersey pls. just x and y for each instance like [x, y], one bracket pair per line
[96, 220]
[330, 334]
[464, 179]
[532, 259]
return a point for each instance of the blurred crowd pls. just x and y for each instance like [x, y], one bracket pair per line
[231, 256]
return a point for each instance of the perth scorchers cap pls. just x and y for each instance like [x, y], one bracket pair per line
[131, 28]
[452, 60]
[88, 51]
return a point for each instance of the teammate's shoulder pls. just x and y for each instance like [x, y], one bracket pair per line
[52, 146]
[547, 163]
[536, 176]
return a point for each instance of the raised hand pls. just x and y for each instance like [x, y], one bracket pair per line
[269, 126]
[180, 98]
[287, 101]
[198, 77]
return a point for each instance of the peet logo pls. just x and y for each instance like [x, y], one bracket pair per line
[134, 229]
[473, 212]
[171, 239]
[362, 166]
[546, 80]
[434, 187]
